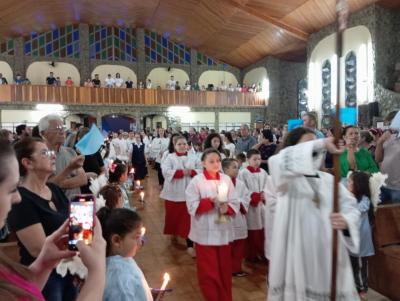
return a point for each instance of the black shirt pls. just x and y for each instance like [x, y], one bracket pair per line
[129, 84]
[51, 80]
[33, 209]
[92, 163]
[96, 83]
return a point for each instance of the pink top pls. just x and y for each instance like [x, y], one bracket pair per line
[23, 284]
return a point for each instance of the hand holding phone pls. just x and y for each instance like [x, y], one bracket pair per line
[81, 220]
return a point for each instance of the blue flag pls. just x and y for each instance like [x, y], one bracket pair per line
[294, 123]
[348, 116]
[91, 142]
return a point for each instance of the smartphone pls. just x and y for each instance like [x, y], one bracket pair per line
[81, 219]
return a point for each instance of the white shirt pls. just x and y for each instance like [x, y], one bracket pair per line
[203, 227]
[119, 82]
[171, 84]
[158, 147]
[231, 147]
[109, 82]
[174, 189]
[148, 85]
[255, 182]
[239, 221]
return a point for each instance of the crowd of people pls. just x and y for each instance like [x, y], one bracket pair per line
[119, 82]
[236, 198]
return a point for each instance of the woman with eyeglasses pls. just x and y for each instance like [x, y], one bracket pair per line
[42, 210]
[19, 282]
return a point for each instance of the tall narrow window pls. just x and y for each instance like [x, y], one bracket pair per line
[351, 80]
[302, 97]
[326, 108]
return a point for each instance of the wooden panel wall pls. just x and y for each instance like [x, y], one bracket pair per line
[101, 96]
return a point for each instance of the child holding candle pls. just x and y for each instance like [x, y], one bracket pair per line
[138, 157]
[124, 278]
[238, 246]
[211, 235]
[255, 180]
[178, 169]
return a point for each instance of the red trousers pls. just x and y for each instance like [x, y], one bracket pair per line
[177, 219]
[255, 243]
[238, 248]
[214, 272]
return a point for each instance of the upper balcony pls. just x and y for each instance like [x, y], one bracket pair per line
[118, 96]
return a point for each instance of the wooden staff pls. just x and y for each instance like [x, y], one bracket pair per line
[342, 13]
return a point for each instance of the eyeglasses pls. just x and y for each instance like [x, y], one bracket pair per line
[47, 153]
[59, 128]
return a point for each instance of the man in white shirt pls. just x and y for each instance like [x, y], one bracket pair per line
[171, 83]
[148, 84]
[222, 86]
[110, 82]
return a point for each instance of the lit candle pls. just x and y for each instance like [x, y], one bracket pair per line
[132, 171]
[165, 282]
[223, 193]
[142, 196]
[138, 184]
[142, 231]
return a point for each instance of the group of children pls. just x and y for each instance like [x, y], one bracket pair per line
[219, 207]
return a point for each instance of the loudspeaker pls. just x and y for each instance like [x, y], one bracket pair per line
[366, 113]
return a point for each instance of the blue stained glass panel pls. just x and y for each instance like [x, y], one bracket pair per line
[76, 35]
[122, 35]
[187, 57]
[147, 41]
[153, 55]
[170, 56]
[49, 49]
[103, 33]
[209, 62]
[55, 34]
[27, 47]
[69, 49]
[98, 47]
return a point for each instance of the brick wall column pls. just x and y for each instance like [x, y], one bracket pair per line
[141, 71]
[84, 56]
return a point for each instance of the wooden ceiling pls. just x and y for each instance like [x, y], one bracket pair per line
[238, 32]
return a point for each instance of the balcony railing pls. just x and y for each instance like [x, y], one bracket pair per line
[116, 96]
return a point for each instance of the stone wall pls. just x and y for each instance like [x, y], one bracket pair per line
[384, 26]
[283, 78]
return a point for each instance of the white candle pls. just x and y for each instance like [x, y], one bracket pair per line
[142, 231]
[223, 193]
[165, 282]
[142, 196]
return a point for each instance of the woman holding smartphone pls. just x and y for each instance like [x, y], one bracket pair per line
[42, 210]
[18, 282]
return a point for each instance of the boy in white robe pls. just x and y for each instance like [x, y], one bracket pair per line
[255, 178]
[238, 246]
[300, 267]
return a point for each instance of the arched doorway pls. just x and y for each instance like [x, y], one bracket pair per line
[117, 122]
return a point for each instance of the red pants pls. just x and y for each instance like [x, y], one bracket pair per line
[213, 272]
[177, 219]
[238, 248]
[255, 243]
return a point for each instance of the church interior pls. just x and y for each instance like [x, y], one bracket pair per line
[202, 67]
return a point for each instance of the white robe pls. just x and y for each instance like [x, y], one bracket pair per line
[158, 147]
[174, 189]
[255, 182]
[270, 208]
[239, 221]
[204, 229]
[300, 266]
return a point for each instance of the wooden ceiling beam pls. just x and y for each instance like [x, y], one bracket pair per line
[291, 30]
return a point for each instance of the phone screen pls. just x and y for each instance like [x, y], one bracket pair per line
[81, 216]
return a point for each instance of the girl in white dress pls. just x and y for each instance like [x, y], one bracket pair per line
[158, 146]
[212, 201]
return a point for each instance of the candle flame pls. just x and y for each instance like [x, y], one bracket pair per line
[167, 277]
[132, 170]
[142, 195]
[143, 231]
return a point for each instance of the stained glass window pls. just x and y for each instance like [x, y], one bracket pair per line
[112, 43]
[7, 47]
[351, 80]
[302, 97]
[326, 108]
[160, 49]
[60, 42]
[203, 59]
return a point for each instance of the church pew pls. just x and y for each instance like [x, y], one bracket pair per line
[384, 267]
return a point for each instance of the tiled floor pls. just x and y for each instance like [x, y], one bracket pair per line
[159, 255]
